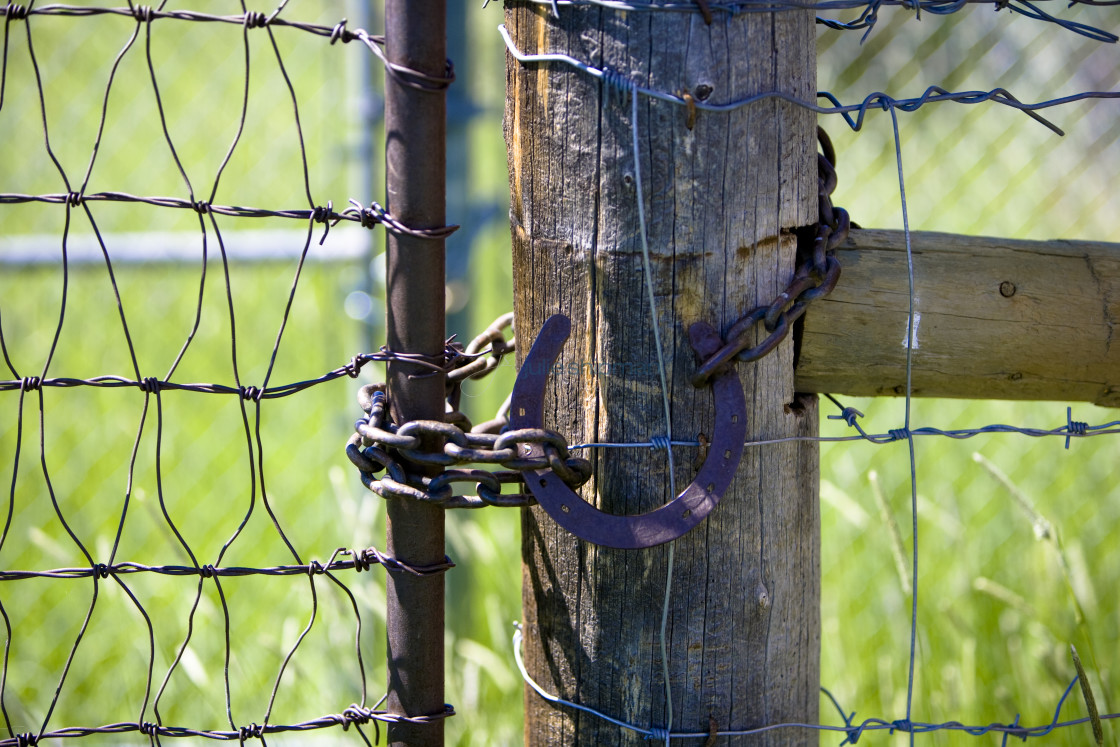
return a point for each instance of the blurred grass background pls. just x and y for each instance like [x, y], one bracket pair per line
[1000, 598]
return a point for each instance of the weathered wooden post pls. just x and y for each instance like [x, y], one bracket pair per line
[721, 201]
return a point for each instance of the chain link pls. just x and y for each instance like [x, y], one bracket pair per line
[379, 445]
[816, 276]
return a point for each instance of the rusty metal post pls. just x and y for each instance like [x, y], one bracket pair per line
[415, 162]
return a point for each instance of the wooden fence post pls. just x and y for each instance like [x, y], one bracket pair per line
[743, 632]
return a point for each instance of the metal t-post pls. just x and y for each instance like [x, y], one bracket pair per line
[415, 158]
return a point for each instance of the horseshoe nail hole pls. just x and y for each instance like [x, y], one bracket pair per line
[734, 418]
[727, 454]
[686, 514]
[544, 483]
[521, 411]
[711, 486]
[564, 508]
[702, 91]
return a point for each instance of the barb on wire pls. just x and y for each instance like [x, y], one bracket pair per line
[851, 415]
[868, 10]
[361, 560]
[250, 20]
[851, 731]
[453, 359]
[354, 715]
[877, 100]
[367, 217]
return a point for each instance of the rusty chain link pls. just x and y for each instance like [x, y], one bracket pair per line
[380, 445]
[816, 276]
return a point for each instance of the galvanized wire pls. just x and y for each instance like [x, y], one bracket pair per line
[853, 114]
[866, 19]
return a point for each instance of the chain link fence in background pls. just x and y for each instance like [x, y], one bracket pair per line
[980, 169]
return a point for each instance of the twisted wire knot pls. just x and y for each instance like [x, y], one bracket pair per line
[26, 740]
[207, 571]
[143, 13]
[252, 731]
[361, 561]
[323, 214]
[902, 724]
[659, 442]
[315, 568]
[147, 728]
[657, 733]
[251, 393]
[101, 570]
[1074, 427]
[355, 714]
[854, 733]
[352, 368]
[15, 12]
[340, 32]
[849, 416]
[367, 217]
[30, 384]
[202, 207]
[617, 85]
[255, 20]
[899, 434]
[150, 385]
[74, 199]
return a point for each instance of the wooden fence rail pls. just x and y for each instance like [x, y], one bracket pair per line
[994, 319]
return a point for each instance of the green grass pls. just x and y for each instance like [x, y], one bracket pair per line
[998, 604]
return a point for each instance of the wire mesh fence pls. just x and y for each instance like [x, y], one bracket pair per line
[164, 645]
[164, 478]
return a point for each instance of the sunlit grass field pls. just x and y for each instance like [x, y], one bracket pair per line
[1012, 569]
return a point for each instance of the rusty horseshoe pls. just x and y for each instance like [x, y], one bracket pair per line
[662, 524]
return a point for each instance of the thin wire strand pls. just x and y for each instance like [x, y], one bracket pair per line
[877, 100]
[909, 437]
[664, 398]
[852, 732]
[867, 18]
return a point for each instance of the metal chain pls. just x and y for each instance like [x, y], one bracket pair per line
[816, 276]
[381, 445]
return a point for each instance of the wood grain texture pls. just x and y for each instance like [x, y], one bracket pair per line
[720, 201]
[999, 319]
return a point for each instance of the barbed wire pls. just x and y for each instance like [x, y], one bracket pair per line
[852, 731]
[453, 359]
[366, 217]
[353, 715]
[1072, 429]
[873, 101]
[868, 10]
[362, 560]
